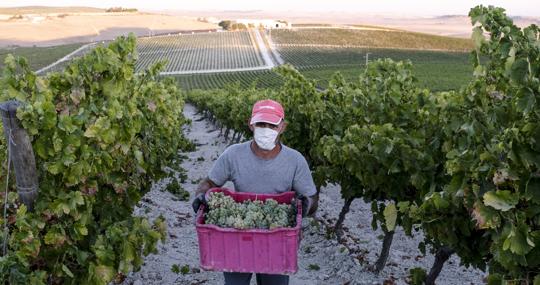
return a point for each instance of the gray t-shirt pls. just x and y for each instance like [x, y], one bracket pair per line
[250, 173]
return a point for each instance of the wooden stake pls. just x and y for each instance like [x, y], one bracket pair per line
[22, 154]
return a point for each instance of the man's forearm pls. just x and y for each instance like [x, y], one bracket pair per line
[314, 205]
[204, 186]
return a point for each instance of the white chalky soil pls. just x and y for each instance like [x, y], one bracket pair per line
[336, 264]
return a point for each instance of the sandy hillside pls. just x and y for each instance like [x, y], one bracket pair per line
[454, 25]
[23, 10]
[43, 30]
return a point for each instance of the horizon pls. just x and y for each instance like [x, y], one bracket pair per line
[414, 8]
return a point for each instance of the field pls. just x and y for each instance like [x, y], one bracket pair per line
[437, 70]
[309, 51]
[45, 10]
[183, 53]
[203, 51]
[364, 37]
[39, 57]
[59, 29]
[244, 79]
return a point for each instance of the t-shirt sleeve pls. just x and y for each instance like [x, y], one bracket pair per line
[220, 172]
[303, 181]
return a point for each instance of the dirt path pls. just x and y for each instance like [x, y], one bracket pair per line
[266, 55]
[273, 48]
[336, 265]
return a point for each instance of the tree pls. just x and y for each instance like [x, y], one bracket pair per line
[225, 24]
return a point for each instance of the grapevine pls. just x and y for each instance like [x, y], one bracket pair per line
[101, 134]
[462, 166]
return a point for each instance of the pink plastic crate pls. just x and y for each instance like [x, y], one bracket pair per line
[256, 250]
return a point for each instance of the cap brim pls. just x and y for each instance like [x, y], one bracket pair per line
[265, 118]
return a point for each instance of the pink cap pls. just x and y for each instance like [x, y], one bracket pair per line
[268, 111]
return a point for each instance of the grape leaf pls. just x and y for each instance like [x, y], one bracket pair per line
[502, 200]
[390, 216]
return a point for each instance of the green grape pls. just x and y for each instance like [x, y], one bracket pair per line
[225, 212]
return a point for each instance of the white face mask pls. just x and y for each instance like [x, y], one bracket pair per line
[265, 138]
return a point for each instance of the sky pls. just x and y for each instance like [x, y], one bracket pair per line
[383, 7]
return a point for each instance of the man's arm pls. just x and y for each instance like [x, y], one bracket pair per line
[303, 184]
[205, 185]
[314, 205]
[220, 173]
[199, 199]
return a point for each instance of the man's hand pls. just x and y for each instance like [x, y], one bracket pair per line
[198, 201]
[307, 204]
[204, 186]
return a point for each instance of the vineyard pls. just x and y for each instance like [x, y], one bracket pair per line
[462, 167]
[437, 70]
[101, 134]
[434, 69]
[226, 50]
[38, 57]
[184, 53]
[244, 79]
[198, 61]
[60, 64]
[458, 171]
[375, 38]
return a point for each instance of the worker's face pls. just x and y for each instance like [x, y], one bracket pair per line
[266, 135]
[280, 128]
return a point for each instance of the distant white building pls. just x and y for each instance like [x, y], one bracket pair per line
[36, 19]
[265, 23]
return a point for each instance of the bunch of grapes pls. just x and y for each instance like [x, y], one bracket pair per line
[225, 212]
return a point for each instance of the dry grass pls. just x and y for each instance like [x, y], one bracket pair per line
[46, 10]
[89, 28]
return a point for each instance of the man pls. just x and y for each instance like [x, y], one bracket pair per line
[262, 165]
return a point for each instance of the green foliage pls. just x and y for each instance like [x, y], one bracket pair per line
[100, 134]
[230, 107]
[245, 79]
[184, 269]
[175, 268]
[300, 99]
[177, 190]
[353, 134]
[462, 166]
[390, 216]
[490, 135]
[417, 276]
[229, 25]
[386, 149]
[314, 267]
[38, 57]
[225, 24]
[223, 211]
[436, 70]
[492, 143]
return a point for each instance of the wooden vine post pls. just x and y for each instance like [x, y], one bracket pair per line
[22, 154]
